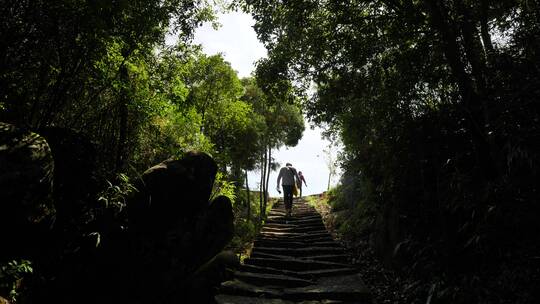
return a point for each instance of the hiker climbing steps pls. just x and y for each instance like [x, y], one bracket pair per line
[294, 259]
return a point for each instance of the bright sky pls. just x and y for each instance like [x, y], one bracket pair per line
[238, 43]
[235, 39]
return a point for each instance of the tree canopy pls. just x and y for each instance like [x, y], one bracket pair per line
[99, 74]
[433, 100]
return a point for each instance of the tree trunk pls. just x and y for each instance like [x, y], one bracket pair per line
[268, 162]
[265, 161]
[472, 100]
[248, 198]
[261, 185]
[121, 151]
[484, 30]
[329, 178]
[473, 50]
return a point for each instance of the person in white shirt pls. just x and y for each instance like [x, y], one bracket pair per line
[288, 177]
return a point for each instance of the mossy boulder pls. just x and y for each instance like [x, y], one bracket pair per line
[26, 183]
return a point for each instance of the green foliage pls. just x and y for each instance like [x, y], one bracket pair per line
[11, 277]
[212, 81]
[336, 199]
[244, 233]
[429, 101]
[102, 70]
[88, 67]
[354, 215]
[223, 187]
[246, 228]
[115, 196]
[282, 124]
[284, 120]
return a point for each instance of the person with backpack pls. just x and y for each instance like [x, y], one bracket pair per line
[288, 178]
[299, 185]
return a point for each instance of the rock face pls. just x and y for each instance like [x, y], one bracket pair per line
[173, 228]
[172, 191]
[74, 182]
[162, 250]
[47, 191]
[26, 181]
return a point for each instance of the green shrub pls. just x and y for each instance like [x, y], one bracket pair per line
[353, 220]
[223, 187]
[335, 198]
[244, 233]
[11, 277]
[115, 195]
[357, 222]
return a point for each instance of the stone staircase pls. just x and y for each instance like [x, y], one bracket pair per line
[295, 260]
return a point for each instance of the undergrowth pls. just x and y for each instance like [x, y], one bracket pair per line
[246, 226]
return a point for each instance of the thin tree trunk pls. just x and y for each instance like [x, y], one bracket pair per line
[261, 187]
[329, 178]
[269, 162]
[473, 50]
[121, 151]
[248, 197]
[472, 41]
[484, 30]
[265, 160]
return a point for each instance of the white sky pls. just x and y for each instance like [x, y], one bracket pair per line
[308, 157]
[238, 43]
[235, 39]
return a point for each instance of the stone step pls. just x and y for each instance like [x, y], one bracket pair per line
[320, 273]
[296, 228]
[294, 264]
[231, 299]
[295, 260]
[308, 274]
[296, 217]
[293, 226]
[295, 244]
[239, 288]
[338, 258]
[277, 225]
[299, 252]
[297, 235]
[276, 212]
[300, 238]
[296, 212]
[267, 279]
[283, 220]
[288, 234]
[343, 288]
[258, 254]
[261, 269]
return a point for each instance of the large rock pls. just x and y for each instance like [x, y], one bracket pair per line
[26, 181]
[199, 287]
[75, 185]
[218, 228]
[173, 227]
[172, 191]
